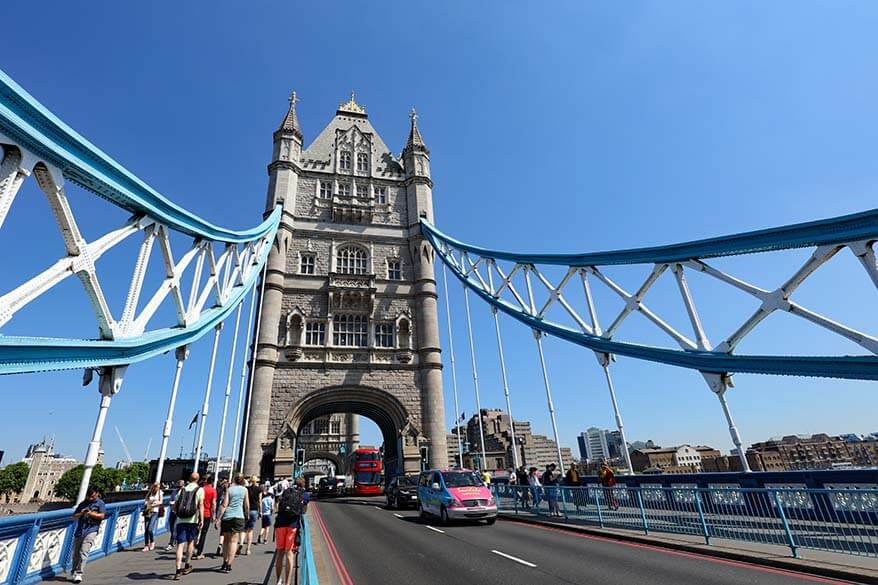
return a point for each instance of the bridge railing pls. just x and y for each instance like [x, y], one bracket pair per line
[307, 567]
[835, 520]
[38, 546]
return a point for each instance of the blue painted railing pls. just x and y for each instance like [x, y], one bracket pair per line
[38, 546]
[307, 568]
[835, 520]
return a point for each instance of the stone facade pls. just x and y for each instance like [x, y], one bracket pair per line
[348, 321]
[45, 469]
[533, 450]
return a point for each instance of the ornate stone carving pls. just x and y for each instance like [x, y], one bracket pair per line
[294, 354]
[404, 356]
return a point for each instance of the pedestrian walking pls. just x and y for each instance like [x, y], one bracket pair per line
[608, 480]
[190, 518]
[88, 515]
[291, 505]
[551, 479]
[572, 481]
[267, 509]
[172, 516]
[230, 518]
[151, 506]
[254, 494]
[221, 489]
[523, 487]
[209, 509]
[533, 481]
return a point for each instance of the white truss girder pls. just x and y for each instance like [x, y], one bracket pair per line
[230, 268]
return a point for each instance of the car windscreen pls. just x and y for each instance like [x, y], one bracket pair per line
[367, 477]
[408, 481]
[460, 479]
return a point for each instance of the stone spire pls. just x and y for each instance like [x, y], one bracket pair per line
[290, 122]
[415, 142]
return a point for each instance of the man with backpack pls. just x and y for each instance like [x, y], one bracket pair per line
[190, 518]
[291, 505]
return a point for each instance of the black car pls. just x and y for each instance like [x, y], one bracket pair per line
[402, 491]
[328, 486]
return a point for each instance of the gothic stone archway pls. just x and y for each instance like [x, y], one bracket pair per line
[398, 427]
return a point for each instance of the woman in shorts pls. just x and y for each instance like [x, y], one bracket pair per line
[267, 509]
[230, 519]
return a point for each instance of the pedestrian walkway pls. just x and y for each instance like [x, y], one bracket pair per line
[133, 566]
[859, 569]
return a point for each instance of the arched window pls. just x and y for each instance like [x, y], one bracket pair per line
[350, 260]
[404, 334]
[344, 161]
[294, 330]
[350, 330]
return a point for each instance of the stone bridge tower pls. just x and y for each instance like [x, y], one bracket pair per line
[349, 318]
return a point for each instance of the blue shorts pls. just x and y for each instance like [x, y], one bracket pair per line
[250, 523]
[187, 532]
[266, 520]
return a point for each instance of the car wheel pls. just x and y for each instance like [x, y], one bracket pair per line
[490, 521]
[421, 511]
[443, 516]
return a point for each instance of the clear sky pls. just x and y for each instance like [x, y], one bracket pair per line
[578, 127]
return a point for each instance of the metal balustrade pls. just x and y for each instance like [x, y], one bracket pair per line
[38, 546]
[835, 520]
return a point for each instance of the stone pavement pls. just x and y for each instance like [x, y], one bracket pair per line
[859, 569]
[135, 567]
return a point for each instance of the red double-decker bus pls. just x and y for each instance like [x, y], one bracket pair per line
[365, 468]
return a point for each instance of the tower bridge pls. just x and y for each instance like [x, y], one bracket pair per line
[342, 322]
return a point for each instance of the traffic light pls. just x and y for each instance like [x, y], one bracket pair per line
[300, 457]
[425, 451]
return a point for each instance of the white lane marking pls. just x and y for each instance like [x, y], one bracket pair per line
[512, 558]
[398, 515]
[435, 529]
[378, 507]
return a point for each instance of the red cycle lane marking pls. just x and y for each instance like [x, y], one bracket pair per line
[690, 555]
[340, 569]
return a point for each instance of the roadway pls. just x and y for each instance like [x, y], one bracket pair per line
[369, 544]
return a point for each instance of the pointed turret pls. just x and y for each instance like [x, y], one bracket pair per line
[290, 123]
[415, 141]
[416, 155]
[284, 168]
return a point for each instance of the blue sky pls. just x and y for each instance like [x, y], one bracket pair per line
[588, 126]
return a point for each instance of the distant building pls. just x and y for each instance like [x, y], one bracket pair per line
[680, 459]
[533, 450]
[596, 444]
[819, 451]
[650, 444]
[46, 467]
[221, 469]
[175, 469]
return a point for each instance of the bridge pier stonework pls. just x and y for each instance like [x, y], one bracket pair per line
[349, 320]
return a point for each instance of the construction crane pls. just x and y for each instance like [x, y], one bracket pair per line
[124, 446]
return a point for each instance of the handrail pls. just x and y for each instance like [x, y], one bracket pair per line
[307, 567]
[45, 540]
[839, 520]
[27, 121]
